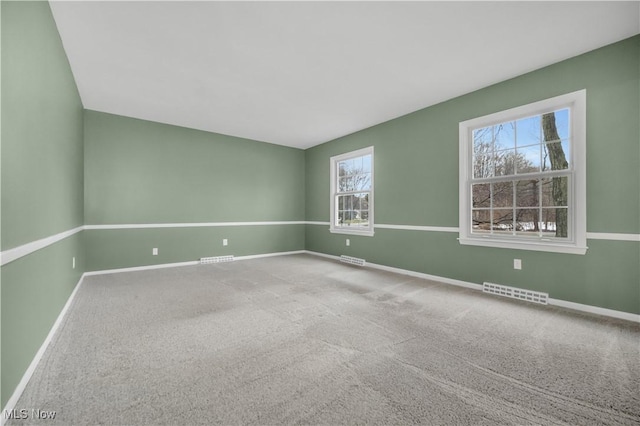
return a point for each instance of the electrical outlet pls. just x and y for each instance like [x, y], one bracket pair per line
[73, 262]
[225, 242]
[517, 264]
[348, 242]
[155, 251]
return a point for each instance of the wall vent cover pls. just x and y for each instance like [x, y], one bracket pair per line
[352, 260]
[216, 259]
[516, 293]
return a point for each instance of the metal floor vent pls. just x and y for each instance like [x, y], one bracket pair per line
[352, 260]
[216, 259]
[516, 293]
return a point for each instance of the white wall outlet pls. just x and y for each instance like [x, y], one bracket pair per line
[517, 264]
[155, 251]
[73, 262]
[225, 242]
[348, 242]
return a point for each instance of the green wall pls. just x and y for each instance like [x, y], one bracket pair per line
[141, 172]
[416, 166]
[42, 182]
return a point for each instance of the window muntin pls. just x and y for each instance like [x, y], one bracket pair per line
[522, 177]
[352, 192]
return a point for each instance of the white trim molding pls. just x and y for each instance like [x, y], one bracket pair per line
[17, 252]
[419, 228]
[310, 222]
[191, 225]
[25, 249]
[613, 236]
[608, 236]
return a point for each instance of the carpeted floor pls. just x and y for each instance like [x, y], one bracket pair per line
[304, 340]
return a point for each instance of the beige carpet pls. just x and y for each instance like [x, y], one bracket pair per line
[304, 340]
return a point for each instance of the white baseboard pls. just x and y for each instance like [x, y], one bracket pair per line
[142, 268]
[189, 263]
[317, 253]
[17, 393]
[451, 281]
[595, 310]
[279, 253]
[556, 302]
[407, 272]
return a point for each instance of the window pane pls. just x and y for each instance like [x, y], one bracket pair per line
[555, 223]
[528, 193]
[481, 221]
[361, 182]
[528, 160]
[352, 166]
[555, 125]
[366, 164]
[502, 221]
[556, 156]
[356, 164]
[359, 201]
[353, 210]
[354, 174]
[527, 222]
[505, 162]
[502, 193]
[550, 131]
[483, 136]
[483, 161]
[483, 164]
[555, 191]
[528, 131]
[481, 195]
[562, 123]
[344, 168]
[345, 202]
[548, 222]
[345, 184]
[505, 136]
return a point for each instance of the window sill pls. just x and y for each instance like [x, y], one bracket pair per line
[367, 233]
[525, 245]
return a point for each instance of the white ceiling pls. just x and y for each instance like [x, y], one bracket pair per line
[303, 73]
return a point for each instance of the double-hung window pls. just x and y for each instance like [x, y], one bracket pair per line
[352, 192]
[523, 178]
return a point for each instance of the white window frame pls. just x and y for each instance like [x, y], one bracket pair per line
[576, 243]
[334, 193]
